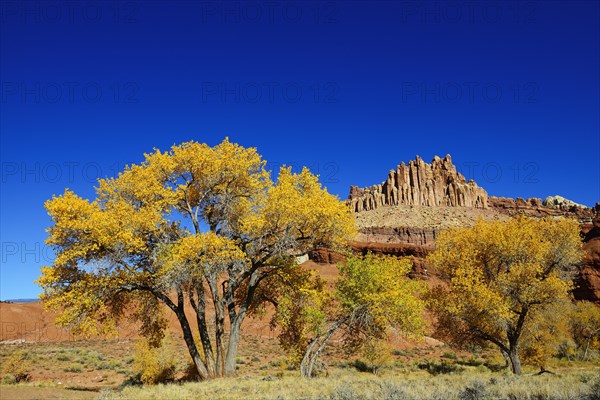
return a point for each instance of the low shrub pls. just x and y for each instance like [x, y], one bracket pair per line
[594, 392]
[392, 391]
[18, 366]
[441, 367]
[73, 368]
[449, 355]
[190, 373]
[472, 362]
[9, 379]
[344, 392]
[362, 366]
[154, 364]
[475, 391]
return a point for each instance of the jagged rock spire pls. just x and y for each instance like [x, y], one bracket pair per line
[421, 184]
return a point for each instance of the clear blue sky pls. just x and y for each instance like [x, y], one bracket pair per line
[351, 89]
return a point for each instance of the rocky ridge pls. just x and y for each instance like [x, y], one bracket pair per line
[419, 200]
[420, 184]
[560, 202]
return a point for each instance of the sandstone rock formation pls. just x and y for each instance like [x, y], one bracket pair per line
[534, 207]
[560, 203]
[405, 213]
[417, 253]
[588, 280]
[421, 184]
[399, 234]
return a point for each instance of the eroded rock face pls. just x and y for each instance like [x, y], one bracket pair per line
[560, 203]
[588, 280]
[418, 200]
[534, 207]
[400, 234]
[421, 184]
[417, 254]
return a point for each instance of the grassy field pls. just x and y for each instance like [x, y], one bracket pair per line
[103, 370]
[346, 385]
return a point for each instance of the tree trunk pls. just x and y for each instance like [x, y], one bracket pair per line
[310, 358]
[237, 317]
[185, 328]
[232, 348]
[306, 359]
[219, 333]
[200, 309]
[513, 335]
[191, 345]
[515, 363]
[219, 306]
[506, 358]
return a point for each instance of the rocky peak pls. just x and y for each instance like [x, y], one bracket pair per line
[420, 184]
[560, 203]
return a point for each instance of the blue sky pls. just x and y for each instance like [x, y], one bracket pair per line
[351, 89]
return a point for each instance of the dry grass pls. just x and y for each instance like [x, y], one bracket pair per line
[348, 385]
[19, 392]
[98, 369]
[81, 364]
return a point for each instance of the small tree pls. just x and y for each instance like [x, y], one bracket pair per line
[154, 364]
[585, 327]
[193, 225]
[372, 294]
[500, 275]
[19, 366]
[545, 333]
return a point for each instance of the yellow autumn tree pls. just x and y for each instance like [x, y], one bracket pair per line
[372, 295]
[501, 276]
[192, 225]
[585, 327]
[544, 334]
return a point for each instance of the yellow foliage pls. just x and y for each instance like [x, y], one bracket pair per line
[191, 216]
[585, 325]
[378, 293]
[18, 365]
[502, 276]
[302, 310]
[298, 209]
[377, 353]
[154, 364]
[545, 332]
[373, 294]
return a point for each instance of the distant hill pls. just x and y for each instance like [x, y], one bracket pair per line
[19, 301]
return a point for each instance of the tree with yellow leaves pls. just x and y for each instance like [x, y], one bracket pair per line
[372, 295]
[501, 276]
[193, 225]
